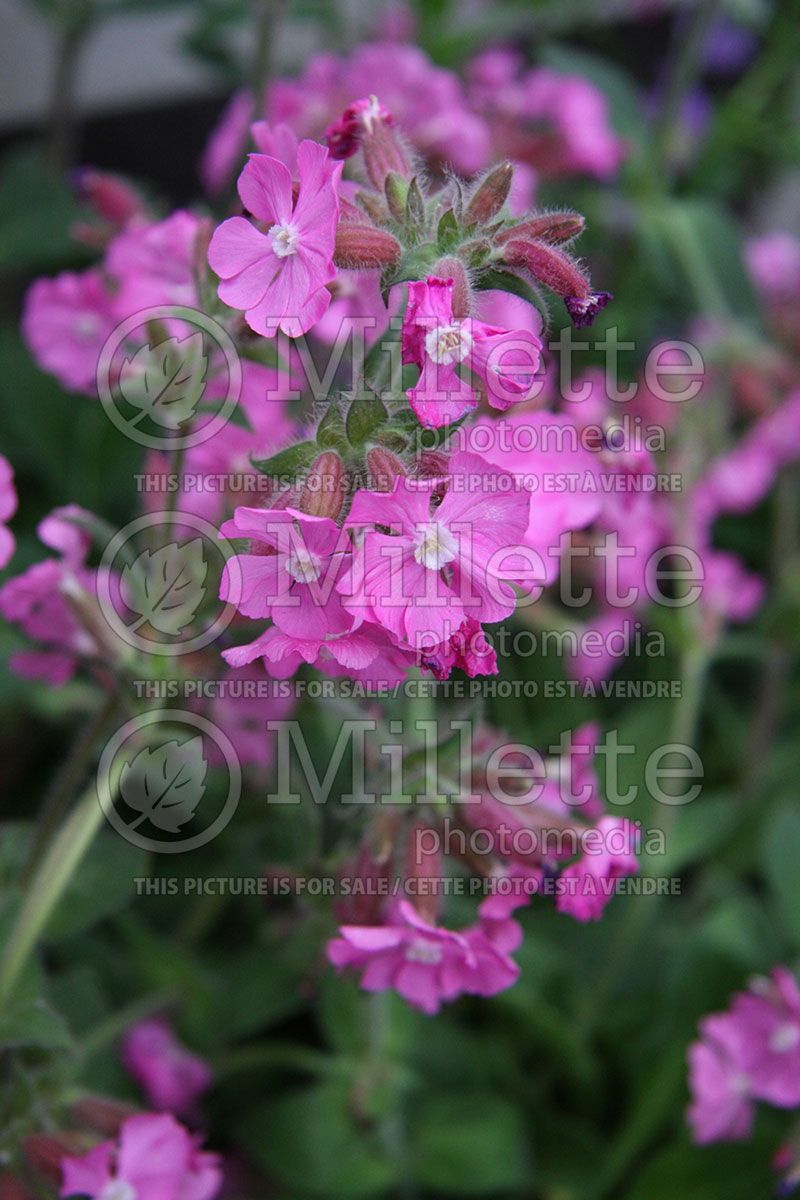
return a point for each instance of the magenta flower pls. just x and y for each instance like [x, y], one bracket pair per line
[153, 264]
[171, 1077]
[770, 1012]
[65, 324]
[279, 276]
[366, 653]
[504, 361]
[722, 1105]
[154, 1158]
[425, 963]
[588, 884]
[8, 506]
[290, 573]
[443, 563]
[37, 601]
[773, 262]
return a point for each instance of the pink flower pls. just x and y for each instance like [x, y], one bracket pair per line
[279, 277]
[226, 143]
[65, 324]
[770, 1012]
[425, 963]
[467, 649]
[504, 361]
[540, 449]
[579, 115]
[154, 264]
[588, 884]
[8, 506]
[290, 573]
[366, 653]
[154, 1158]
[242, 711]
[443, 563]
[773, 262]
[722, 1106]
[171, 1077]
[37, 601]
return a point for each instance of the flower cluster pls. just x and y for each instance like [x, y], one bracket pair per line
[749, 1053]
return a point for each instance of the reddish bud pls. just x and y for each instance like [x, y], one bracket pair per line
[453, 268]
[553, 228]
[359, 247]
[111, 197]
[323, 491]
[490, 195]
[367, 125]
[549, 265]
[45, 1152]
[102, 1114]
[432, 464]
[384, 467]
[12, 1188]
[423, 863]
[348, 211]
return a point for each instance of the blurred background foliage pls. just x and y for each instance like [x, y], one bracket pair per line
[570, 1086]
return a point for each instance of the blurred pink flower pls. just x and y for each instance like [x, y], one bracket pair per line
[154, 1158]
[589, 882]
[8, 506]
[171, 1077]
[65, 324]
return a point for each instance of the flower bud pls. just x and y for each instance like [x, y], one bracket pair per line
[553, 228]
[557, 271]
[102, 1114]
[490, 195]
[45, 1152]
[453, 268]
[423, 864]
[432, 464]
[396, 191]
[384, 467]
[323, 491]
[360, 247]
[367, 125]
[12, 1188]
[112, 198]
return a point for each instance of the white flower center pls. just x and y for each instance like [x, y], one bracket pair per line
[420, 950]
[302, 565]
[118, 1189]
[86, 325]
[448, 344]
[435, 546]
[284, 238]
[740, 1084]
[785, 1038]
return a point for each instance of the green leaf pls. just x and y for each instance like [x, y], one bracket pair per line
[33, 1023]
[311, 1142]
[415, 204]
[471, 1145]
[366, 414]
[331, 433]
[416, 264]
[506, 281]
[287, 464]
[781, 858]
[447, 232]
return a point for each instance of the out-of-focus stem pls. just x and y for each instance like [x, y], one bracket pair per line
[52, 879]
[685, 70]
[61, 121]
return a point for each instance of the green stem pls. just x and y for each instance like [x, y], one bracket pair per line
[67, 781]
[52, 878]
[61, 122]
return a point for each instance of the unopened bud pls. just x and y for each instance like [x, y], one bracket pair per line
[323, 491]
[372, 205]
[45, 1152]
[102, 1114]
[384, 467]
[557, 271]
[396, 191]
[554, 228]
[424, 866]
[490, 195]
[359, 247]
[453, 268]
[368, 125]
[12, 1188]
[111, 197]
[433, 464]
